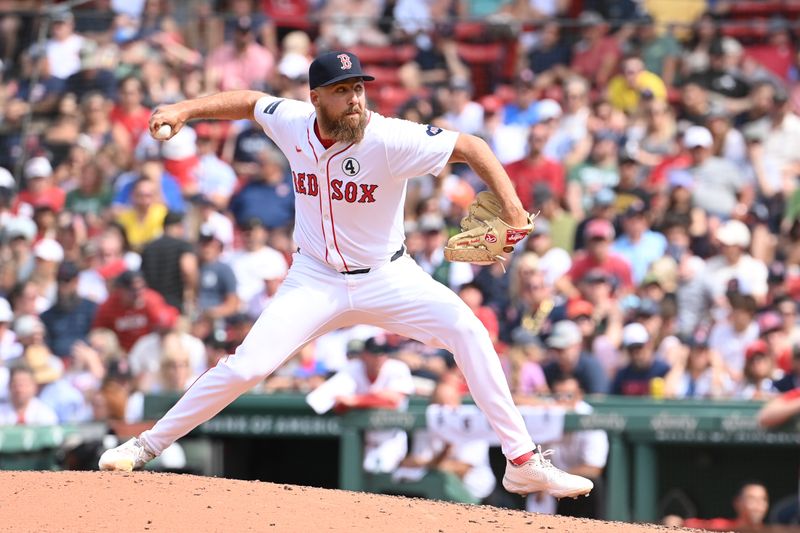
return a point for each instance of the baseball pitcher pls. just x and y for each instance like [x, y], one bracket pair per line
[349, 168]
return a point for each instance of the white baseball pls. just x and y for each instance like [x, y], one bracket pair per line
[163, 133]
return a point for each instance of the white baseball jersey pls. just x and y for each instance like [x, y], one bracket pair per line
[349, 198]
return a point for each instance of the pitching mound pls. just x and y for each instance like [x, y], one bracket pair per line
[95, 501]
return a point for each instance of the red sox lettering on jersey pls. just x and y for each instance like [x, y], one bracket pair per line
[347, 194]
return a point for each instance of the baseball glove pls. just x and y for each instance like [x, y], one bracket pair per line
[484, 236]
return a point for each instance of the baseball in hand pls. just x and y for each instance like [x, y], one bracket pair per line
[163, 133]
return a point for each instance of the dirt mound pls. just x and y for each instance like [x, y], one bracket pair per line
[142, 501]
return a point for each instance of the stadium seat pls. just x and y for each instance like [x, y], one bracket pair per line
[754, 8]
[374, 55]
[485, 62]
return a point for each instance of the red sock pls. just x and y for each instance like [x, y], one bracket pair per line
[522, 459]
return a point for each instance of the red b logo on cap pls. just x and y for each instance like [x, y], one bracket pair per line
[346, 63]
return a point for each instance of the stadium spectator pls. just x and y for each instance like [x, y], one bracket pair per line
[64, 46]
[750, 504]
[699, 373]
[660, 51]
[599, 234]
[735, 264]
[169, 264]
[756, 382]
[570, 359]
[465, 459]
[536, 168]
[68, 321]
[636, 378]
[599, 171]
[374, 379]
[216, 179]
[463, 114]
[216, 292]
[268, 194]
[732, 336]
[147, 354]
[639, 245]
[530, 301]
[253, 259]
[39, 188]
[23, 407]
[131, 310]
[9, 347]
[129, 112]
[596, 54]
[93, 79]
[144, 220]
[554, 262]
[431, 257]
[626, 91]
[582, 453]
[240, 64]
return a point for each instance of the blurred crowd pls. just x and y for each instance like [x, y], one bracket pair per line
[657, 145]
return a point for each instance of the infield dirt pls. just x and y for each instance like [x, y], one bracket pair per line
[142, 501]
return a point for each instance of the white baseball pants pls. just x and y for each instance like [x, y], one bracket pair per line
[314, 299]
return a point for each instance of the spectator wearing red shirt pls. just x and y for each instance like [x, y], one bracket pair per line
[132, 310]
[242, 64]
[596, 55]
[536, 168]
[39, 189]
[777, 54]
[129, 113]
[599, 233]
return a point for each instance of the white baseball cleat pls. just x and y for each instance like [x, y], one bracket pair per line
[538, 474]
[126, 457]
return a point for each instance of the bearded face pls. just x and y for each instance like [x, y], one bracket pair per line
[347, 127]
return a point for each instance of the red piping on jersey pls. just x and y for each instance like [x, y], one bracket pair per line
[330, 202]
[324, 240]
[308, 136]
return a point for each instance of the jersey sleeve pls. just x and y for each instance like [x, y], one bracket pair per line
[417, 149]
[278, 115]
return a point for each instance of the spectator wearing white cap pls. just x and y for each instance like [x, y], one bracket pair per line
[216, 295]
[256, 258]
[49, 254]
[273, 278]
[8, 188]
[735, 263]
[216, 179]
[293, 80]
[635, 378]
[720, 188]
[9, 346]
[39, 188]
[566, 343]
[64, 46]
[17, 234]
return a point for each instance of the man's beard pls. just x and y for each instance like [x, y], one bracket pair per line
[341, 128]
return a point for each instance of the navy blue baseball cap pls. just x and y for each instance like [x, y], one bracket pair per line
[333, 67]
